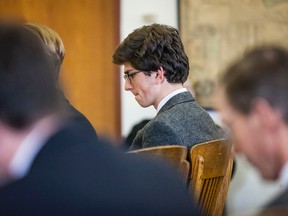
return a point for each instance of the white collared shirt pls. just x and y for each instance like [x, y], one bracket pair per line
[165, 99]
[283, 177]
[25, 154]
[29, 148]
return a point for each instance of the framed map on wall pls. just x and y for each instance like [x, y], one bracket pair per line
[215, 32]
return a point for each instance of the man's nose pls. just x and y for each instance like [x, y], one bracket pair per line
[127, 85]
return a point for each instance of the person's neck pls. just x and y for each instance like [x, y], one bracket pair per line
[166, 89]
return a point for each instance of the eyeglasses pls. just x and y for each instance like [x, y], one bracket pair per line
[129, 76]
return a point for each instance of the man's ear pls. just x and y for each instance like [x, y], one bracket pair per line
[159, 74]
[266, 115]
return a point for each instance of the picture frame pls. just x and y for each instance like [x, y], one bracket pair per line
[216, 32]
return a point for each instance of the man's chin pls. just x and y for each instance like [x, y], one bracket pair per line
[140, 102]
[143, 105]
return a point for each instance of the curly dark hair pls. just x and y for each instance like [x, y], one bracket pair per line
[150, 47]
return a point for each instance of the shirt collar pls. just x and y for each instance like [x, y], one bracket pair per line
[169, 96]
[29, 148]
[283, 177]
[25, 154]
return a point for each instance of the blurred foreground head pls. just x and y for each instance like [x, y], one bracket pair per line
[253, 103]
[27, 89]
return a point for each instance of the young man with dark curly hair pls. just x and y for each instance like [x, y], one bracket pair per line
[155, 68]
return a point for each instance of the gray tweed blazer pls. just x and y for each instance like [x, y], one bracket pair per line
[181, 121]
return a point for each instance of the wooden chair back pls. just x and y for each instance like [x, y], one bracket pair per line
[211, 169]
[175, 155]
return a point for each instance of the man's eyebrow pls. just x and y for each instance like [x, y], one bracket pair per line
[127, 71]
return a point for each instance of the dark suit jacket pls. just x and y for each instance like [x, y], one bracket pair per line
[181, 121]
[82, 122]
[84, 125]
[279, 202]
[69, 177]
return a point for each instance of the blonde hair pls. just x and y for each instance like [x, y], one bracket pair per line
[51, 39]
